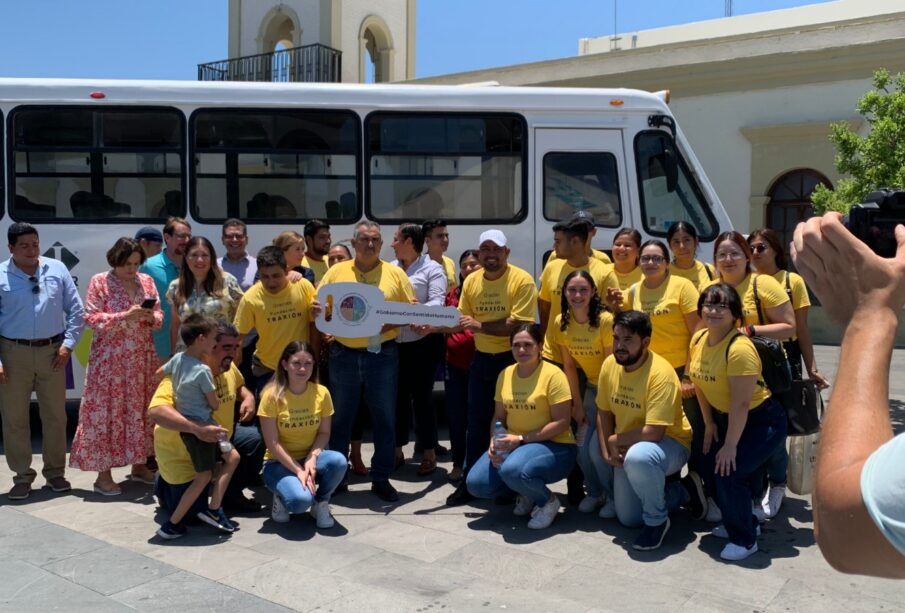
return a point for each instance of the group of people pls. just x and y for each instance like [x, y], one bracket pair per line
[211, 371]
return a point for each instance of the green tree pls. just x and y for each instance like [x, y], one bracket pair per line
[873, 161]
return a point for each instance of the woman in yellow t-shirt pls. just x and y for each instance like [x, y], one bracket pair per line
[533, 403]
[682, 238]
[584, 333]
[295, 414]
[744, 424]
[626, 250]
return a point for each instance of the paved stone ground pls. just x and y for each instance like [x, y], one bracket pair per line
[81, 552]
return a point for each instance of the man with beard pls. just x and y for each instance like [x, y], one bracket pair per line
[317, 246]
[175, 471]
[164, 268]
[493, 303]
[642, 433]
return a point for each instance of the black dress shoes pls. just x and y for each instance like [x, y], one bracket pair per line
[460, 496]
[385, 491]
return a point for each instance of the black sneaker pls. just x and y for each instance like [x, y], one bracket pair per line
[697, 500]
[170, 531]
[651, 537]
[385, 491]
[460, 496]
[216, 518]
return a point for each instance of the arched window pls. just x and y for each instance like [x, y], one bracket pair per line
[375, 51]
[790, 200]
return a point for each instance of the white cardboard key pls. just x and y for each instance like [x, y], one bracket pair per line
[356, 310]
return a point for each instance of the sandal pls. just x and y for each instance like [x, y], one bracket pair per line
[427, 467]
[146, 476]
[107, 490]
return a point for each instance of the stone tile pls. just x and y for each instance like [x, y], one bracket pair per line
[710, 603]
[26, 588]
[14, 520]
[110, 523]
[292, 585]
[379, 600]
[187, 593]
[412, 541]
[502, 563]
[208, 558]
[321, 553]
[47, 544]
[489, 595]
[409, 577]
[801, 597]
[110, 570]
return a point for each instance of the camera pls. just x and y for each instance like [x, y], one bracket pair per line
[874, 221]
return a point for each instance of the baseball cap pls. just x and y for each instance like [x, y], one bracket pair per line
[149, 234]
[494, 236]
[583, 215]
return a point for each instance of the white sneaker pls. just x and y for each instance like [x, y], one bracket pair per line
[278, 512]
[773, 500]
[721, 533]
[320, 511]
[758, 512]
[607, 511]
[523, 506]
[542, 517]
[734, 553]
[589, 504]
[714, 515]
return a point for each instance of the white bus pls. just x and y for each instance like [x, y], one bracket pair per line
[90, 161]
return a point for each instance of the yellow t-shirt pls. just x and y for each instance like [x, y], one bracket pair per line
[626, 280]
[389, 279]
[173, 459]
[551, 282]
[667, 307]
[799, 291]
[528, 400]
[512, 295]
[585, 344]
[452, 279]
[648, 396]
[700, 274]
[595, 253]
[279, 318]
[318, 266]
[298, 418]
[770, 292]
[710, 372]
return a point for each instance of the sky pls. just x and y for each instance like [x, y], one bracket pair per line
[166, 39]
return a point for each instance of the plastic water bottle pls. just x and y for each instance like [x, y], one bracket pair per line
[374, 344]
[499, 431]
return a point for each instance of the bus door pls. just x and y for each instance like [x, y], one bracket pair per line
[579, 169]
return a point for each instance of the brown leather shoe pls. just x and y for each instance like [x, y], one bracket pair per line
[59, 484]
[427, 467]
[19, 491]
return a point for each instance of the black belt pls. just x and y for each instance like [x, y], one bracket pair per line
[36, 342]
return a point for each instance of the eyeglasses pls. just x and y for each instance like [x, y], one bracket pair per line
[759, 248]
[652, 259]
[369, 241]
[36, 289]
[717, 307]
[730, 255]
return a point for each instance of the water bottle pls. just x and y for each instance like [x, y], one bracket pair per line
[499, 431]
[224, 445]
[374, 343]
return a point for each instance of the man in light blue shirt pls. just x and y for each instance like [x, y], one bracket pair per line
[41, 320]
[164, 268]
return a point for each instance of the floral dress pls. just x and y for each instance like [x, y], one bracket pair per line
[222, 308]
[113, 426]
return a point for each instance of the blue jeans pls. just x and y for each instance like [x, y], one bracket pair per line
[357, 374]
[592, 484]
[456, 388]
[639, 489]
[482, 378]
[765, 430]
[331, 468]
[527, 471]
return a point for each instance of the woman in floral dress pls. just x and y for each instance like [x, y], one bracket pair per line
[113, 428]
[202, 287]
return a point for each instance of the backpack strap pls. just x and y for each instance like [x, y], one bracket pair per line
[709, 271]
[631, 297]
[729, 346]
[697, 337]
[760, 313]
[788, 285]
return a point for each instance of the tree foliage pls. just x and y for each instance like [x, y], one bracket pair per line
[873, 161]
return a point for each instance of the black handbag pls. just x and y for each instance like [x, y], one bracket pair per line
[804, 407]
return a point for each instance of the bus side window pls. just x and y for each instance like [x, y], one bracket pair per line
[582, 181]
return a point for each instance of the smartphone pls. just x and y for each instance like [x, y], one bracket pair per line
[148, 303]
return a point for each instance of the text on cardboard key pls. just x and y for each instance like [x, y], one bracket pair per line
[356, 310]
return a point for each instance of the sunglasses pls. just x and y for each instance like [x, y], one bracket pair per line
[36, 289]
[759, 248]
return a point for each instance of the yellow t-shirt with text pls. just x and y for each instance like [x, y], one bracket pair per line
[528, 399]
[628, 279]
[512, 295]
[551, 282]
[648, 396]
[318, 266]
[173, 459]
[667, 307]
[770, 292]
[279, 318]
[298, 418]
[700, 274]
[389, 279]
[710, 371]
[585, 344]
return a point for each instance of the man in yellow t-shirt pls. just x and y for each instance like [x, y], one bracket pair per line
[367, 370]
[281, 311]
[436, 242]
[317, 246]
[493, 302]
[175, 466]
[642, 433]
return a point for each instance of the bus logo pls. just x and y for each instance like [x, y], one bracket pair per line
[59, 252]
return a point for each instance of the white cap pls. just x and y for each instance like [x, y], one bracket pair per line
[494, 236]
